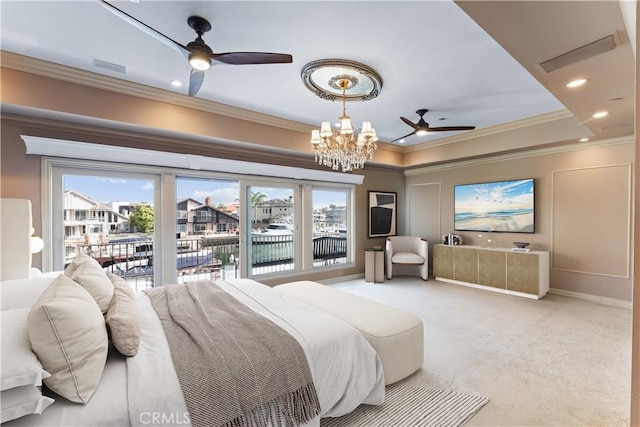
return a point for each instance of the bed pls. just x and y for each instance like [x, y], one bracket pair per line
[145, 390]
[79, 348]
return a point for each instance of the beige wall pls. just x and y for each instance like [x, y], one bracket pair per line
[592, 274]
[152, 124]
[20, 175]
[167, 113]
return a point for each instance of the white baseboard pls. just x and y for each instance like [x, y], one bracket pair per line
[341, 279]
[614, 302]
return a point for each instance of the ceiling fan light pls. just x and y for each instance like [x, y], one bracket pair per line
[199, 62]
[421, 132]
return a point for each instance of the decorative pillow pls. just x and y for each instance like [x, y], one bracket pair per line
[19, 366]
[21, 401]
[68, 334]
[122, 317]
[87, 272]
[22, 293]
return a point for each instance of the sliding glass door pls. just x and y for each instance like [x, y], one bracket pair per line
[331, 226]
[109, 216]
[207, 229]
[271, 229]
[155, 226]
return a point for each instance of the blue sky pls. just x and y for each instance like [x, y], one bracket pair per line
[491, 196]
[111, 189]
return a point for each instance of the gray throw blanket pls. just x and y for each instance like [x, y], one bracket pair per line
[236, 367]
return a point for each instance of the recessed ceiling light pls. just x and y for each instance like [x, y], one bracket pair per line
[176, 83]
[401, 141]
[583, 139]
[576, 83]
[600, 114]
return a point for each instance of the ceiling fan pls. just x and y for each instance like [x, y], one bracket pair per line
[423, 128]
[199, 55]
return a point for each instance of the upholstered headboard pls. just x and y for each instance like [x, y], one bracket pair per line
[15, 233]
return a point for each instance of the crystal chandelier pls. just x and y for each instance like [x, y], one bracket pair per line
[344, 148]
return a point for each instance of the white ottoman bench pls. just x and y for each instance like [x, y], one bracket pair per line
[396, 335]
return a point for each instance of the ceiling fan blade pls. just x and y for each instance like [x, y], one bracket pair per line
[195, 81]
[145, 28]
[409, 122]
[402, 137]
[242, 58]
[448, 128]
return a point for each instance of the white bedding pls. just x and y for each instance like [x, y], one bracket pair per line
[346, 370]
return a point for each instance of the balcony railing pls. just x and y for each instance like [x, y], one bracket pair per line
[200, 219]
[206, 258]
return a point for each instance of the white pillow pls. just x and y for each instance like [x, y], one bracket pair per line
[122, 318]
[22, 293]
[88, 273]
[19, 366]
[21, 401]
[69, 336]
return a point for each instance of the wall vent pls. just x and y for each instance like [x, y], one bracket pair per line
[109, 66]
[597, 47]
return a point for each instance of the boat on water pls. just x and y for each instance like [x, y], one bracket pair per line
[274, 233]
[184, 261]
[276, 230]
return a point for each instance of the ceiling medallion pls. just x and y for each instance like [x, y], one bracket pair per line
[324, 76]
[346, 148]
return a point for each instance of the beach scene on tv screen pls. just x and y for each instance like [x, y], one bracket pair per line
[495, 206]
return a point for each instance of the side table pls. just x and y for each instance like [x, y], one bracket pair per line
[374, 266]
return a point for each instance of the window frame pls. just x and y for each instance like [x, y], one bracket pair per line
[350, 218]
[53, 169]
[53, 199]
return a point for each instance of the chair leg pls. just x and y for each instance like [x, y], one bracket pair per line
[424, 272]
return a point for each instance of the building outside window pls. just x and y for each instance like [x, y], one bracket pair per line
[97, 210]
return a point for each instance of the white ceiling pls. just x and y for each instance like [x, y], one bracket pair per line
[430, 54]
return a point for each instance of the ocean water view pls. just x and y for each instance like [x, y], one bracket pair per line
[508, 220]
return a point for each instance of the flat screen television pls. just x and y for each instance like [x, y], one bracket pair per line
[501, 206]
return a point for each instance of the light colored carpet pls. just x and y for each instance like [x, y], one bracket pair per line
[407, 406]
[558, 361]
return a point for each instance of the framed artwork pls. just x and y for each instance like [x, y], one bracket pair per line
[382, 213]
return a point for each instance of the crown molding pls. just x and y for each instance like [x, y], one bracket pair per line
[75, 75]
[390, 147]
[89, 128]
[99, 81]
[521, 154]
[109, 153]
[493, 130]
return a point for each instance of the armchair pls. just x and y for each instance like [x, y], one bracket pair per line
[407, 251]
